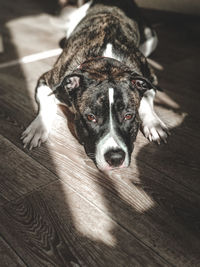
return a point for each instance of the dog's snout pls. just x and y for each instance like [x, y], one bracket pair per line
[115, 158]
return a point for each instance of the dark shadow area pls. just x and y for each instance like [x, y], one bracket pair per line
[44, 222]
[168, 174]
[26, 226]
[174, 183]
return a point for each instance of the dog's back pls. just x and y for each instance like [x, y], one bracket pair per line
[105, 28]
[109, 20]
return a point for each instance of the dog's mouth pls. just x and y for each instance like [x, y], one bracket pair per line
[108, 153]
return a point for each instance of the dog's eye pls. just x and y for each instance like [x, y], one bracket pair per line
[128, 116]
[91, 117]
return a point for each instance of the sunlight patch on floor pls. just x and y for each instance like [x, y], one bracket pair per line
[134, 196]
[89, 220]
[32, 58]
[82, 193]
[84, 196]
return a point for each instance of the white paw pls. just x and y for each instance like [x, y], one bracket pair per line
[154, 129]
[35, 134]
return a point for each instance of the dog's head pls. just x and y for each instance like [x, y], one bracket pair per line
[105, 96]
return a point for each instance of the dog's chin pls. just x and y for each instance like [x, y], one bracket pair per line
[108, 169]
[105, 167]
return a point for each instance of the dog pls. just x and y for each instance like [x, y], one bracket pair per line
[104, 78]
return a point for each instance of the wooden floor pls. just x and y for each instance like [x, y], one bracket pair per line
[57, 209]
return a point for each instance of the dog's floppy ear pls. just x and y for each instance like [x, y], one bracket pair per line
[142, 84]
[66, 90]
[70, 83]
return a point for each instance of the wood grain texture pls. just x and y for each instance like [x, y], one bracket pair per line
[142, 199]
[19, 174]
[8, 257]
[146, 215]
[43, 225]
[33, 235]
[47, 29]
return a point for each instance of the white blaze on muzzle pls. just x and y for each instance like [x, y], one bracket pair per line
[111, 141]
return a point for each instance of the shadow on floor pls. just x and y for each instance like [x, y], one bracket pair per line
[46, 227]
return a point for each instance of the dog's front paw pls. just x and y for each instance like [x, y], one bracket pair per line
[155, 129]
[35, 134]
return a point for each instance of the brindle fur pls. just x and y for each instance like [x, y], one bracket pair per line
[96, 76]
[113, 22]
[109, 24]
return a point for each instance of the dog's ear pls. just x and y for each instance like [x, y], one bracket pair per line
[66, 90]
[142, 84]
[70, 83]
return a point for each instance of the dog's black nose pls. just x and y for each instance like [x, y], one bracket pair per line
[115, 158]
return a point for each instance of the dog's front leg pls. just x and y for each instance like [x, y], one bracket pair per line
[152, 126]
[37, 132]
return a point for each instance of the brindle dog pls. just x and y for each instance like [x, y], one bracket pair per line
[105, 80]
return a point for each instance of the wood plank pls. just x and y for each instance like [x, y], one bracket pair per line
[184, 168]
[8, 256]
[51, 225]
[76, 165]
[177, 41]
[145, 201]
[153, 199]
[35, 30]
[178, 160]
[19, 174]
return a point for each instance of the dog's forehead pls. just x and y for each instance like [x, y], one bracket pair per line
[95, 97]
[100, 97]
